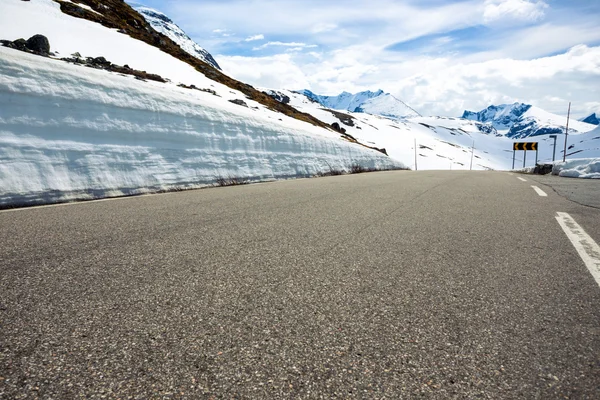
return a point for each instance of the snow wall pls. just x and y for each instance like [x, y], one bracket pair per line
[69, 132]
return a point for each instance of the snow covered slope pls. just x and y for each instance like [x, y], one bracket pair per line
[443, 143]
[376, 103]
[73, 132]
[520, 121]
[164, 25]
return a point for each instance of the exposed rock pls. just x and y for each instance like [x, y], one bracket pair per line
[104, 64]
[19, 44]
[280, 97]
[200, 89]
[39, 44]
[338, 128]
[239, 102]
[344, 118]
[543, 169]
[99, 62]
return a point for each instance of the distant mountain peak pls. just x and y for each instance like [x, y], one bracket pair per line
[376, 103]
[591, 119]
[163, 24]
[501, 116]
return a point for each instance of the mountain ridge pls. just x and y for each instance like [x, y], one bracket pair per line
[591, 119]
[376, 103]
[163, 24]
[520, 120]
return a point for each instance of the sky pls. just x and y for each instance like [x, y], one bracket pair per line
[439, 56]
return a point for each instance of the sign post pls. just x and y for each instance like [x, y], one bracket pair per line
[554, 151]
[525, 146]
[567, 133]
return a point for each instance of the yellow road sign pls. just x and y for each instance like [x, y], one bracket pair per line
[525, 145]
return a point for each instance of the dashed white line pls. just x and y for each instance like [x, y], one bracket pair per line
[588, 250]
[539, 191]
[522, 179]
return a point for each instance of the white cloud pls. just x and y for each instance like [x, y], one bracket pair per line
[286, 44]
[517, 10]
[222, 32]
[254, 38]
[323, 27]
[436, 86]
[520, 55]
[277, 71]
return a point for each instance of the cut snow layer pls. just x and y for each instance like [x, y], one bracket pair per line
[578, 168]
[70, 132]
[163, 24]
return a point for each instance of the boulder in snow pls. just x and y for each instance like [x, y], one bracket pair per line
[39, 44]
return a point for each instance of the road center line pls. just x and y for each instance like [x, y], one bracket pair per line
[522, 179]
[539, 191]
[588, 250]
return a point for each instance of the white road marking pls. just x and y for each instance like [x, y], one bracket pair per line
[522, 179]
[539, 191]
[588, 250]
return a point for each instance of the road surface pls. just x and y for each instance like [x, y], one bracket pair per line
[382, 285]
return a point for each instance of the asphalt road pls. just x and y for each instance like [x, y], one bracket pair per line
[383, 285]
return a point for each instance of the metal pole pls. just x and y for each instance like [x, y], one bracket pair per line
[513, 158]
[472, 151]
[536, 156]
[554, 151]
[416, 169]
[567, 133]
[524, 157]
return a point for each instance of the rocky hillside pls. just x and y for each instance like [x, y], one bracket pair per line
[163, 24]
[116, 14]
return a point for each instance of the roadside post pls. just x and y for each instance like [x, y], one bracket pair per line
[553, 151]
[525, 146]
[567, 133]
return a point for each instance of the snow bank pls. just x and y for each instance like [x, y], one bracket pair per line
[578, 168]
[69, 132]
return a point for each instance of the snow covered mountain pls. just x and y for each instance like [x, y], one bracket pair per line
[376, 103]
[167, 27]
[502, 117]
[591, 119]
[520, 121]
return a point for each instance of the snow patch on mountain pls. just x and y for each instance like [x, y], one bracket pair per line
[377, 103]
[163, 24]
